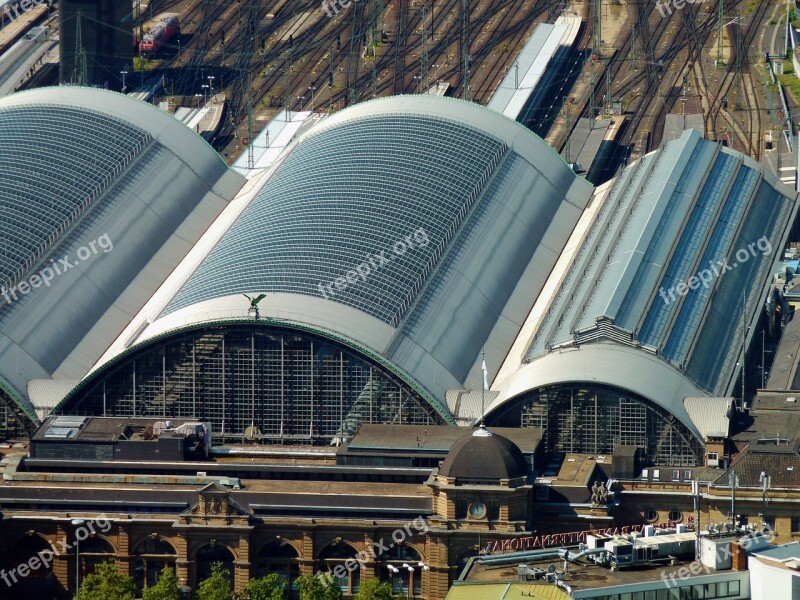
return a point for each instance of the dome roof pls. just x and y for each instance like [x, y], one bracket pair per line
[484, 455]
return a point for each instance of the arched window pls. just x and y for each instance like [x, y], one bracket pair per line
[210, 554]
[599, 417]
[93, 551]
[402, 567]
[37, 583]
[150, 558]
[334, 388]
[347, 576]
[281, 558]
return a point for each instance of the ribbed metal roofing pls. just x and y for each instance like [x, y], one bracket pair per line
[711, 416]
[650, 271]
[81, 164]
[56, 161]
[454, 214]
[383, 194]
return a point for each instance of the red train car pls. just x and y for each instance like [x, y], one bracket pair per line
[162, 33]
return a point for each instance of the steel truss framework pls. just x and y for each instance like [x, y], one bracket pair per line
[254, 382]
[593, 419]
[15, 421]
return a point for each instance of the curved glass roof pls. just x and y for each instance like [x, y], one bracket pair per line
[56, 161]
[377, 198]
[78, 164]
[422, 228]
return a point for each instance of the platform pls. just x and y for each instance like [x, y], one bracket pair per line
[523, 77]
[272, 140]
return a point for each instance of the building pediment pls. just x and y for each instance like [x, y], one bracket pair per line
[215, 506]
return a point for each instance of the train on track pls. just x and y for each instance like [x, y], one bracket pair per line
[167, 29]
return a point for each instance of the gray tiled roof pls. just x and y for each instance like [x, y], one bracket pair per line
[781, 463]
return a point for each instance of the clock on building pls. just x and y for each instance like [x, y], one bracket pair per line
[477, 510]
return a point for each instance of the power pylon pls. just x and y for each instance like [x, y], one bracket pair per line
[80, 73]
[287, 67]
[596, 32]
[423, 70]
[465, 57]
[720, 28]
[251, 163]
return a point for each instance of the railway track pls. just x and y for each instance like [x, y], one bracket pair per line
[652, 105]
[446, 26]
[745, 138]
[631, 83]
[658, 86]
[507, 34]
[219, 40]
[497, 32]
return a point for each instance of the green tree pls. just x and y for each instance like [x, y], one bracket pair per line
[106, 583]
[374, 589]
[216, 586]
[167, 587]
[270, 587]
[318, 588]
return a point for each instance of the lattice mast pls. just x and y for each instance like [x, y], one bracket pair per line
[80, 73]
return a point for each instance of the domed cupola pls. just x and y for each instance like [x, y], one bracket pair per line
[484, 457]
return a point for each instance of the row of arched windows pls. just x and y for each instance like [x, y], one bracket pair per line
[400, 565]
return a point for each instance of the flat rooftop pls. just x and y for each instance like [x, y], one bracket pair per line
[676, 124]
[100, 429]
[582, 575]
[776, 399]
[433, 438]
[765, 422]
[790, 551]
[784, 374]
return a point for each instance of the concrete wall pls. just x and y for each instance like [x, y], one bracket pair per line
[769, 583]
